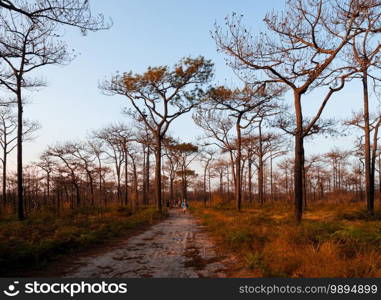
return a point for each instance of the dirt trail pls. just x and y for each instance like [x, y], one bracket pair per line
[178, 247]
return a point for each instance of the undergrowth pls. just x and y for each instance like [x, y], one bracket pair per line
[38, 239]
[331, 241]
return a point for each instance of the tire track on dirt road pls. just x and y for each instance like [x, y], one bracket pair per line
[177, 247]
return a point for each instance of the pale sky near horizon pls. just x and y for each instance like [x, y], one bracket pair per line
[147, 33]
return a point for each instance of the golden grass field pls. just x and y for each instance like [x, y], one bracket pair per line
[334, 240]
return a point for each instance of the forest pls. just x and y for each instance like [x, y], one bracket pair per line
[283, 211]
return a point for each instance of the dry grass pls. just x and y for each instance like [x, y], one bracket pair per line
[333, 240]
[35, 241]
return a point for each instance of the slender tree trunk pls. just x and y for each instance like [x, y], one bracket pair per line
[238, 180]
[305, 187]
[158, 172]
[204, 183]
[48, 186]
[250, 182]
[299, 160]
[184, 184]
[125, 176]
[146, 183]
[379, 175]
[91, 189]
[209, 188]
[171, 194]
[20, 188]
[77, 193]
[373, 157]
[287, 188]
[5, 174]
[100, 179]
[221, 183]
[144, 194]
[271, 178]
[228, 183]
[136, 187]
[118, 167]
[148, 173]
[260, 167]
[369, 182]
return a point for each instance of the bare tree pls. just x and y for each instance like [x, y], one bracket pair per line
[161, 95]
[96, 148]
[71, 166]
[172, 164]
[244, 106]
[8, 138]
[364, 60]
[186, 153]
[369, 124]
[25, 47]
[206, 159]
[144, 137]
[116, 139]
[82, 153]
[47, 165]
[300, 51]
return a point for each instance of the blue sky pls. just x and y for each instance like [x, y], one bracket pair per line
[146, 33]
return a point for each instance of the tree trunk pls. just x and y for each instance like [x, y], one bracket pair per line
[5, 174]
[222, 183]
[373, 157]
[299, 160]
[118, 167]
[136, 187]
[144, 194]
[271, 178]
[250, 182]
[148, 173]
[260, 167]
[369, 182]
[100, 180]
[379, 175]
[125, 176]
[238, 181]
[171, 194]
[78, 195]
[20, 188]
[158, 172]
[91, 189]
[204, 183]
[48, 186]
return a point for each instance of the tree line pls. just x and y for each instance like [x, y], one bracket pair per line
[310, 45]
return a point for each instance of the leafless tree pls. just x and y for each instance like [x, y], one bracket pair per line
[244, 106]
[364, 59]
[47, 164]
[301, 51]
[206, 158]
[71, 167]
[117, 138]
[25, 47]
[161, 95]
[8, 139]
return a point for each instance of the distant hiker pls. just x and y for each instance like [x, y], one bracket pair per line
[184, 205]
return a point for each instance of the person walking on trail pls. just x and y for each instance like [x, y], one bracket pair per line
[184, 205]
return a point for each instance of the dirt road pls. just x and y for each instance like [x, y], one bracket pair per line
[175, 248]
